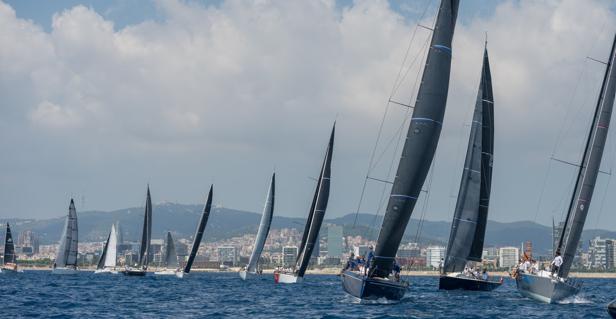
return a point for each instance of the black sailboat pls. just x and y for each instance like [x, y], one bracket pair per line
[66, 258]
[611, 309]
[471, 214]
[144, 248]
[10, 259]
[417, 154]
[543, 285]
[198, 234]
[314, 221]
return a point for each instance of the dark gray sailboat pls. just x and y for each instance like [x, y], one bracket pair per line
[264, 227]
[198, 234]
[66, 258]
[314, 221]
[10, 259]
[543, 285]
[141, 267]
[417, 155]
[170, 264]
[471, 214]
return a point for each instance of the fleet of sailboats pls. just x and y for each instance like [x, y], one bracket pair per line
[417, 154]
[252, 269]
[313, 223]
[66, 257]
[108, 261]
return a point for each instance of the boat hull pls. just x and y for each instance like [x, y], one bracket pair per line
[284, 278]
[106, 271]
[372, 288]
[11, 269]
[462, 283]
[64, 271]
[545, 289]
[167, 273]
[611, 309]
[134, 272]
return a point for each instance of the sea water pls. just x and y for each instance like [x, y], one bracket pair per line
[221, 295]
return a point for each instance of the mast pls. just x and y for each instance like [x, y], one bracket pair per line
[9, 247]
[146, 233]
[421, 141]
[199, 234]
[317, 210]
[471, 213]
[588, 171]
[264, 227]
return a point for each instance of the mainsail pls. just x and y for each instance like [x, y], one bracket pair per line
[146, 233]
[9, 247]
[471, 214]
[109, 255]
[200, 228]
[421, 140]
[317, 211]
[171, 257]
[67, 250]
[589, 169]
[264, 227]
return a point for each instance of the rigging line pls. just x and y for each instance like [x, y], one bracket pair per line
[421, 53]
[426, 201]
[609, 179]
[408, 49]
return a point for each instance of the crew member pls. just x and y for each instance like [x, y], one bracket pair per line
[556, 263]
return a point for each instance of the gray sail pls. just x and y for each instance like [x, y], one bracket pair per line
[101, 260]
[264, 227]
[146, 233]
[171, 257]
[471, 213]
[317, 210]
[9, 247]
[589, 169]
[67, 249]
[421, 140]
[199, 233]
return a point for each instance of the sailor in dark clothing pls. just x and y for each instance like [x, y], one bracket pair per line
[350, 263]
[369, 257]
[396, 270]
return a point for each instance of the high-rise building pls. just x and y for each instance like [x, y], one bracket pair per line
[601, 253]
[508, 256]
[361, 250]
[334, 241]
[289, 255]
[435, 256]
[227, 255]
[28, 242]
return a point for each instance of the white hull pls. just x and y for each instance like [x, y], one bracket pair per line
[106, 271]
[178, 274]
[289, 279]
[64, 271]
[245, 275]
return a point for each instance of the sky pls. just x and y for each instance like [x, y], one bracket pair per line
[100, 98]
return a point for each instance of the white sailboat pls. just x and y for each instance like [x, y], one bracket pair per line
[108, 261]
[66, 258]
[171, 266]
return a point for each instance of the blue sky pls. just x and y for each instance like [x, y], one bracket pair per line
[102, 97]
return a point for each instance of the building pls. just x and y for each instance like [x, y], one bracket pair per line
[227, 255]
[335, 246]
[361, 250]
[435, 256]
[601, 252]
[508, 257]
[289, 255]
[28, 242]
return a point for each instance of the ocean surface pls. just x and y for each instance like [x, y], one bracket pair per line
[222, 295]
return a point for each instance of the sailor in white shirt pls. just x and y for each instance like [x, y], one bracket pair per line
[556, 263]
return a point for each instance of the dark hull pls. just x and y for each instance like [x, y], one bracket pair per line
[133, 272]
[611, 309]
[545, 289]
[454, 283]
[372, 288]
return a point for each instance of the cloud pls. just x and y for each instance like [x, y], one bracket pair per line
[224, 93]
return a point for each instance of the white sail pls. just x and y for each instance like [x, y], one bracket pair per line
[112, 249]
[264, 226]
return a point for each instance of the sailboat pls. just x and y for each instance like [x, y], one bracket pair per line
[471, 214]
[313, 223]
[543, 285]
[417, 155]
[66, 258]
[611, 309]
[141, 267]
[107, 262]
[10, 259]
[264, 227]
[170, 263]
[198, 234]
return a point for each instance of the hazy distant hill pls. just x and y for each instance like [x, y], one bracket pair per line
[226, 223]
